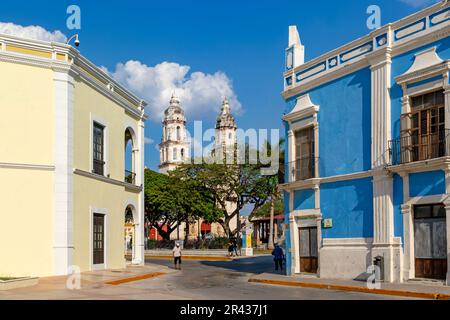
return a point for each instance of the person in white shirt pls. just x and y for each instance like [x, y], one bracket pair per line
[177, 256]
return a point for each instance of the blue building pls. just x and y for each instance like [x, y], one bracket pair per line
[368, 131]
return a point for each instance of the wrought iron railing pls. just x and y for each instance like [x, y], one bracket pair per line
[130, 177]
[413, 148]
[303, 168]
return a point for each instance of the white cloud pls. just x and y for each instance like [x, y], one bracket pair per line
[32, 32]
[200, 93]
[148, 140]
[419, 3]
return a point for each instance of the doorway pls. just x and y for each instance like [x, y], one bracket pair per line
[308, 250]
[430, 242]
[99, 239]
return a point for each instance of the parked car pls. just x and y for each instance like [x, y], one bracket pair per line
[209, 236]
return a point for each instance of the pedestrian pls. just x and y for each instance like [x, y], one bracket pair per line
[230, 248]
[235, 247]
[278, 257]
[177, 256]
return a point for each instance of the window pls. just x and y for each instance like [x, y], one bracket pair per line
[427, 126]
[98, 149]
[423, 134]
[304, 166]
[175, 153]
[182, 154]
[178, 133]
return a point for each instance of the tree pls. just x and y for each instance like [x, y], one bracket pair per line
[280, 176]
[170, 201]
[240, 184]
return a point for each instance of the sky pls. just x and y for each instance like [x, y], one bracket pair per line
[203, 50]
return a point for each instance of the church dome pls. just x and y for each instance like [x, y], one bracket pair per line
[225, 119]
[174, 112]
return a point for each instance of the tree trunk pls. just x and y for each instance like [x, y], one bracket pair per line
[272, 209]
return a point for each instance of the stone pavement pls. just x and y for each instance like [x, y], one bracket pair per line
[413, 289]
[94, 285]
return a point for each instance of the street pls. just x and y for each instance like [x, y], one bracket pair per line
[229, 280]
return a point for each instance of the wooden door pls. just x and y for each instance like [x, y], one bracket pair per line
[430, 242]
[308, 250]
[99, 239]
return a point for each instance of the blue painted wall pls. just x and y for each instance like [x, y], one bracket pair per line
[304, 199]
[426, 183]
[344, 123]
[397, 202]
[401, 64]
[350, 205]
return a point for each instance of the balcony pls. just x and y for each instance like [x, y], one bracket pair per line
[303, 169]
[418, 148]
[130, 177]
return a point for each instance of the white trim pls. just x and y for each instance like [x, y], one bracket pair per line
[129, 187]
[26, 166]
[102, 211]
[63, 177]
[312, 183]
[408, 43]
[348, 242]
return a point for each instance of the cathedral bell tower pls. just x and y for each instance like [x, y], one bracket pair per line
[225, 136]
[174, 146]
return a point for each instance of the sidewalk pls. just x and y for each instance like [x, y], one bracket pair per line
[414, 289]
[102, 284]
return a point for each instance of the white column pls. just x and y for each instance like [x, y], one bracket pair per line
[139, 257]
[383, 182]
[63, 176]
[447, 211]
[408, 235]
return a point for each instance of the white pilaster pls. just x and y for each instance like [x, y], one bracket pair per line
[63, 177]
[139, 256]
[291, 157]
[447, 211]
[408, 236]
[382, 182]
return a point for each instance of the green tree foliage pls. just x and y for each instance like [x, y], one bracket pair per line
[228, 183]
[170, 201]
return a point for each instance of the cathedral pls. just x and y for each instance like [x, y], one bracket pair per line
[175, 150]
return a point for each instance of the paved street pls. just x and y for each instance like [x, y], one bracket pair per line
[229, 280]
[198, 280]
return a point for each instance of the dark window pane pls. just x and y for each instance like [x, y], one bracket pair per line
[422, 212]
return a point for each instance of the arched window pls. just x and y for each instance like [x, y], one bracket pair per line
[178, 133]
[130, 170]
[175, 153]
[182, 154]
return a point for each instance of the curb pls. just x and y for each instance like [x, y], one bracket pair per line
[136, 278]
[399, 293]
[193, 258]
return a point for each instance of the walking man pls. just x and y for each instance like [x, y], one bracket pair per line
[177, 256]
[278, 257]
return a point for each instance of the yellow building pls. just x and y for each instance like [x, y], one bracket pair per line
[64, 191]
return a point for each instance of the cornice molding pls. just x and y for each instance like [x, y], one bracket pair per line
[94, 176]
[27, 166]
[442, 163]
[394, 49]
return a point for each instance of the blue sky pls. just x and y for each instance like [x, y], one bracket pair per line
[205, 48]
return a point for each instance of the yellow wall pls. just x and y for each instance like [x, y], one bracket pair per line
[26, 121]
[89, 192]
[106, 197]
[26, 196]
[26, 227]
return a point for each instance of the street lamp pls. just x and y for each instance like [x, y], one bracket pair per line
[77, 40]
